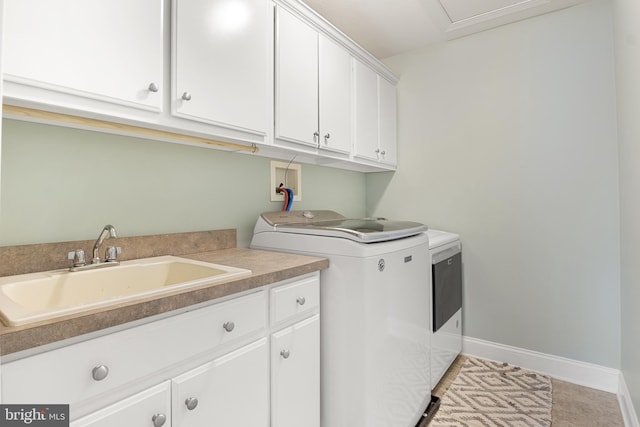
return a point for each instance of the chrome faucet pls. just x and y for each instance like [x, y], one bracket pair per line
[111, 254]
[108, 231]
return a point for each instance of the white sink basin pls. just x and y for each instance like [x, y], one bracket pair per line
[38, 296]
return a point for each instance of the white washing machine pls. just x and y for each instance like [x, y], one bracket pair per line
[446, 297]
[374, 312]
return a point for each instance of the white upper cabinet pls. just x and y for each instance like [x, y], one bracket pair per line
[387, 111]
[335, 96]
[106, 50]
[374, 116]
[312, 87]
[296, 80]
[365, 111]
[221, 59]
[202, 72]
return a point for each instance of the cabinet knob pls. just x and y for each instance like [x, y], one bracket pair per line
[326, 138]
[301, 300]
[153, 87]
[191, 403]
[228, 326]
[377, 150]
[100, 372]
[383, 152]
[186, 96]
[158, 420]
[316, 135]
[285, 354]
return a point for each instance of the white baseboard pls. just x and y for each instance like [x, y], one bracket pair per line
[626, 405]
[573, 371]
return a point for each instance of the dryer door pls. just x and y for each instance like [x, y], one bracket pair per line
[447, 289]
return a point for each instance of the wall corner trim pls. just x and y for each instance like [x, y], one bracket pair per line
[626, 405]
[573, 371]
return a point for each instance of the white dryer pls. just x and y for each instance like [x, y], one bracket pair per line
[374, 312]
[446, 297]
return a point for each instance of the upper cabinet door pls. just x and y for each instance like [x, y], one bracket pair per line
[387, 121]
[109, 50]
[335, 96]
[296, 80]
[366, 117]
[374, 116]
[222, 62]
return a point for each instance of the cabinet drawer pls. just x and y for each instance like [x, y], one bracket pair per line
[138, 410]
[72, 374]
[294, 298]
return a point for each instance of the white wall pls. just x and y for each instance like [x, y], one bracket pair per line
[627, 25]
[509, 138]
[61, 184]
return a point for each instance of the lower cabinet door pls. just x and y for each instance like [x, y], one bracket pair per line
[295, 371]
[230, 391]
[151, 407]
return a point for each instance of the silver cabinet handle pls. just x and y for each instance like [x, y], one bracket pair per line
[383, 152]
[191, 403]
[186, 96]
[153, 87]
[228, 326]
[316, 135]
[158, 420]
[377, 150]
[100, 372]
[285, 354]
[301, 300]
[326, 138]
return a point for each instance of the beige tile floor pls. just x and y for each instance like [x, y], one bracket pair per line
[573, 405]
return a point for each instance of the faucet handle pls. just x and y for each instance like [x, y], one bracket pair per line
[78, 257]
[112, 252]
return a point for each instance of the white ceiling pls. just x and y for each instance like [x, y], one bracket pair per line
[390, 27]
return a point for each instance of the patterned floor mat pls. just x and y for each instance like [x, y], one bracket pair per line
[492, 394]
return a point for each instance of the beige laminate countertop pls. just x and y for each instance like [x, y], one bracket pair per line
[266, 267]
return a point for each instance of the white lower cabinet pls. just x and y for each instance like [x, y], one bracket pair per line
[251, 360]
[295, 375]
[232, 390]
[151, 407]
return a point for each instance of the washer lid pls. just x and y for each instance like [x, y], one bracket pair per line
[332, 224]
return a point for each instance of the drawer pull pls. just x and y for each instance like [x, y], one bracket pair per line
[191, 403]
[301, 300]
[100, 372]
[285, 354]
[158, 420]
[228, 326]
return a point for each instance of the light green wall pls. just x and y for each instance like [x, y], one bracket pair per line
[627, 25]
[509, 138]
[61, 184]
